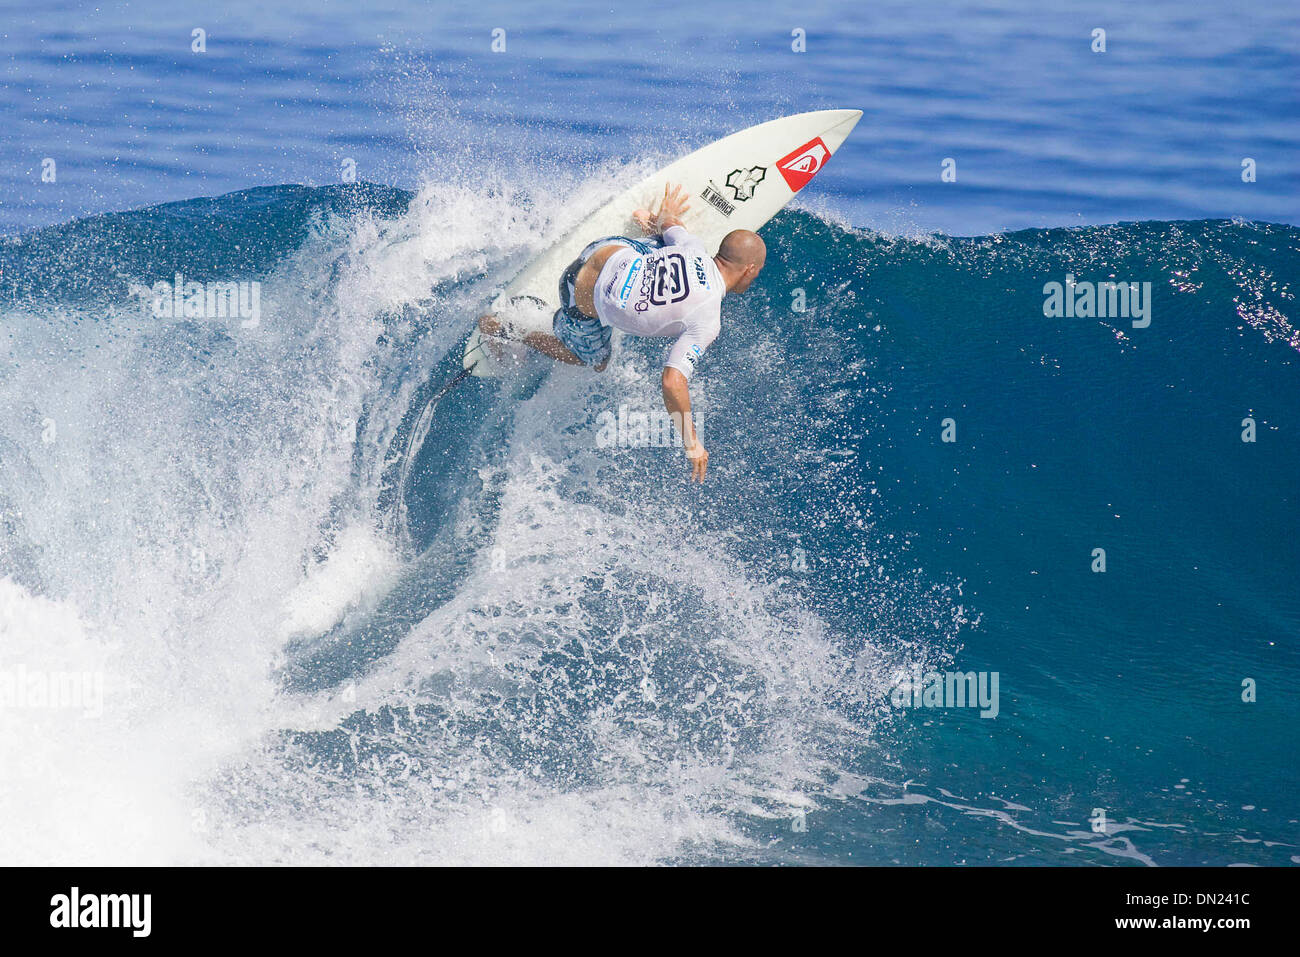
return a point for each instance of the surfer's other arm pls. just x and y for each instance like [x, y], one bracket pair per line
[677, 400]
[672, 208]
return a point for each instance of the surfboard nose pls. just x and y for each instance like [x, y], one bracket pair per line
[839, 132]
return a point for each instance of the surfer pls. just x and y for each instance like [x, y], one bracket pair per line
[669, 288]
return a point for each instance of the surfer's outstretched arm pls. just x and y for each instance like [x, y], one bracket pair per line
[677, 400]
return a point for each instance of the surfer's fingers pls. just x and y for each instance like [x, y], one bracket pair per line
[678, 203]
[699, 457]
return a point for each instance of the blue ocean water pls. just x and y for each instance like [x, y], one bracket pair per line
[551, 648]
[1044, 131]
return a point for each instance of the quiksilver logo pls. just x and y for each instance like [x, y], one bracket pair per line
[102, 910]
[809, 161]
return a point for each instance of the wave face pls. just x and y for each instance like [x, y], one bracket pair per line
[546, 646]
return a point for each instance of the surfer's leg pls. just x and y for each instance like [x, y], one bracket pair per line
[577, 339]
[585, 339]
[548, 345]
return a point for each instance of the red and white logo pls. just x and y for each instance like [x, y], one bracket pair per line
[803, 164]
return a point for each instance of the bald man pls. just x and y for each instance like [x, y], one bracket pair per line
[673, 290]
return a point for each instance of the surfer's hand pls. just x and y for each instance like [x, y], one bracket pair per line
[674, 206]
[699, 459]
[646, 220]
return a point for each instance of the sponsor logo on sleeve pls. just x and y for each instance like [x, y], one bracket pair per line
[803, 164]
[692, 355]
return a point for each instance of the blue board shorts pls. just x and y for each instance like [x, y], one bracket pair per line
[585, 337]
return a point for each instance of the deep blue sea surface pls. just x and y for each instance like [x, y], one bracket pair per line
[1044, 131]
[545, 648]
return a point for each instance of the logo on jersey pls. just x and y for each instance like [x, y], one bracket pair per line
[670, 281]
[743, 182]
[664, 282]
[627, 284]
[803, 164]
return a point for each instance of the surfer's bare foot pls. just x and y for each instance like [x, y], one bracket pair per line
[492, 335]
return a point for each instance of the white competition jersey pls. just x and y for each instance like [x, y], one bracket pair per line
[675, 291]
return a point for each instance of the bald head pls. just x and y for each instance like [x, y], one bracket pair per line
[740, 258]
[742, 247]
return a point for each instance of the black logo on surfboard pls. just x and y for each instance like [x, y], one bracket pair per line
[743, 182]
[714, 198]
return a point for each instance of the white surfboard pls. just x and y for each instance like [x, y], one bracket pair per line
[738, 182]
